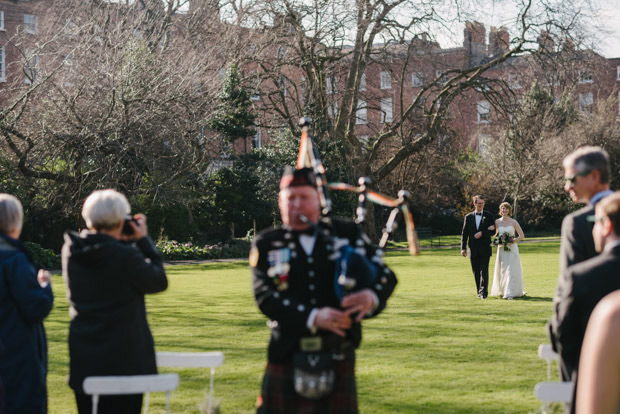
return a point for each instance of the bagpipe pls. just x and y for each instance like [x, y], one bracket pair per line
[353, 270]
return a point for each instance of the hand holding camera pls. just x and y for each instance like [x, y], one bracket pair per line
[134, 227]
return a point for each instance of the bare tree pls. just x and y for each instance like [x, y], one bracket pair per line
[119, 97]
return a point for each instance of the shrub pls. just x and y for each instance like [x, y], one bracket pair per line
[173, 250]
[44, 258]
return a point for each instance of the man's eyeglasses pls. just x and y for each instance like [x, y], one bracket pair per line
[573, 177]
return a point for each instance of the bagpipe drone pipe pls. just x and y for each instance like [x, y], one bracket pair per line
[354, 271]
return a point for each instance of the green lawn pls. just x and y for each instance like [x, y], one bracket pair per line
[436, 349]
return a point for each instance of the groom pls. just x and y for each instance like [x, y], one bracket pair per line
[477, 229]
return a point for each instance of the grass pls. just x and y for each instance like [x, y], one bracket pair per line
[436, 349]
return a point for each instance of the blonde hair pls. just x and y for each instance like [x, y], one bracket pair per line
[508, 206]
[105, 209]
[11, 213]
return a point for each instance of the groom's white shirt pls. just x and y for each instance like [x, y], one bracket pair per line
[478, 218]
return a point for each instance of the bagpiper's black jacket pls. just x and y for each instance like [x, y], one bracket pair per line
[288, 284]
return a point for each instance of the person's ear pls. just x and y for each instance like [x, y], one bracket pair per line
[608, 227]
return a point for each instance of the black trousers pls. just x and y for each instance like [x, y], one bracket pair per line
[110, 404]
[480, 267]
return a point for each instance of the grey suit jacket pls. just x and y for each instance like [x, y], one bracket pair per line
[585, 285]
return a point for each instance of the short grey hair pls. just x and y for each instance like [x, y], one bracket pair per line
[589, 159]
[11, 213]
[104, 209]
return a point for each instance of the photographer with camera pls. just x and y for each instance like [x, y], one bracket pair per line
[108, 269]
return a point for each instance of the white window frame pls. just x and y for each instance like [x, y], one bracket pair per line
[257, 139]
[363, 82]
[483, 110]
[363, 139]
[586, 102]
[514, 81]
[31, 23]
[619, 101]
[2, 64]
[417, 79]
[386, 110]
[332, 110]
[330, 85]
[441, 76]
[31, 67]
[361, 114]
[585, 76]
[2, 20]
[385, 80]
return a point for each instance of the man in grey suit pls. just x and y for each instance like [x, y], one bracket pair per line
[586, 284]
[587, 173]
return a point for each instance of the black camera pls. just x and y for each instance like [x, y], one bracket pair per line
[127, 229]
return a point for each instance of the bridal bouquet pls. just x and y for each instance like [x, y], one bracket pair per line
[504, 239]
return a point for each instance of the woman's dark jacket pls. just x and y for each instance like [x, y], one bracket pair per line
[23, 306]
[106, 282]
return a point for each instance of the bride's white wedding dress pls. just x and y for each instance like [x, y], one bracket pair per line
[508, 275]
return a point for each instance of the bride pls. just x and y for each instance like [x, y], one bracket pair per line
[508, 276]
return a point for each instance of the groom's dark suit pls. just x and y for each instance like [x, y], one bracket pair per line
[480, 249]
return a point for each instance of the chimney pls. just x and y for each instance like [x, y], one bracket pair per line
[545, 42]
[499, 41]
[474, 42]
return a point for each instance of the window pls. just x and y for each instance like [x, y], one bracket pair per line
[255, 91]
[281, 52]
[586, 102]
[441, 76]
[30, 23]
[417, 79]
[385, 80]
[484, 144]
[361, 115]
[618, 101]
[585, 76]
[514, 81]
[256, 140]
[618, 70]
[386, 110]
[552, 79]
[332, 110]
[2, 65]
[31, 68]
[71, 67]
[330, 85]
[363, 139]
[363, 80]
[1, 20]
[282, 84]
[484, 108]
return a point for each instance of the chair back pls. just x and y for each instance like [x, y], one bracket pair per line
[210, 360]
[130, 384]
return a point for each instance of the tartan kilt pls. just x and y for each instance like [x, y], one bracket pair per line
[279, 396]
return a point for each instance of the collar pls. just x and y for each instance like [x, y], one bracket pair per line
[611, 245]
[599, 196]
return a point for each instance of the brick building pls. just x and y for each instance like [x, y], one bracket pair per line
[389, 85]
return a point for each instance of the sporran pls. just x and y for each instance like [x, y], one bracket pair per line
[313, 374]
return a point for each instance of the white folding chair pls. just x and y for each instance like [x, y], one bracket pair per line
[193, 360]
[553, 392]
[131, 384]
[546, 352]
